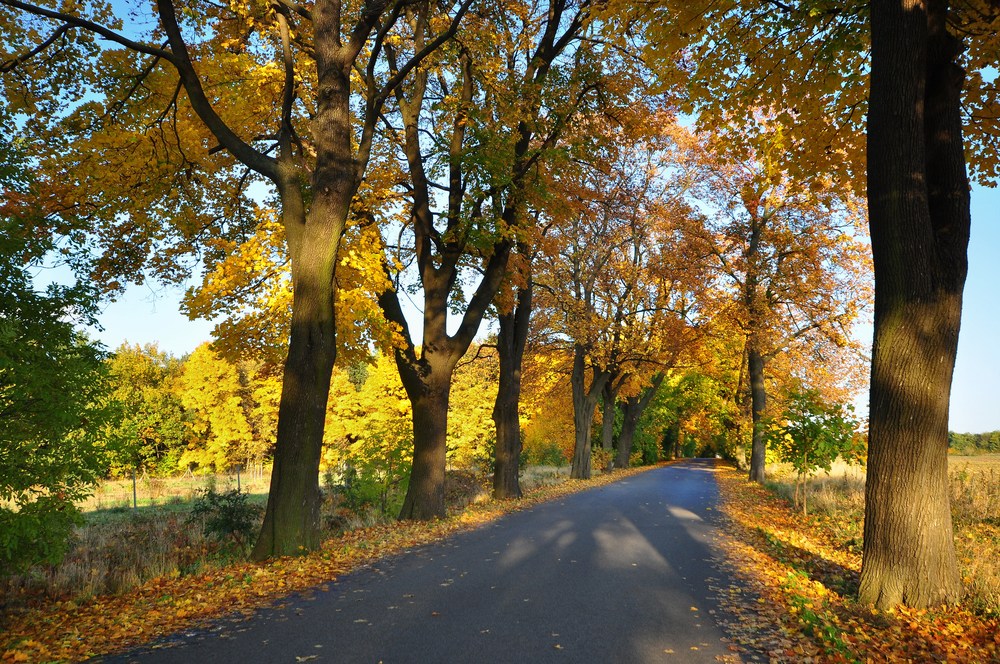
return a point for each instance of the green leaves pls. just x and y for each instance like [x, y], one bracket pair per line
[811, 433]
[50, 378]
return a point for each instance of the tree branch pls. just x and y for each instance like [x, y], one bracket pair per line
[90, 26]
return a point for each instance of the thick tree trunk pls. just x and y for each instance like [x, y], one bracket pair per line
[425, 494]
[291, 518]
[758, 403]
[609, 398]
[511, 341]
[672, 440]
[584, 405]
[919, 215]
[630, 419]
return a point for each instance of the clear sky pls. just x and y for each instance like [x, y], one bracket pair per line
[149, 314]
[975, 394]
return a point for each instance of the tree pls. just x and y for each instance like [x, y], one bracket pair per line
[209, 388]
[369, 439]
[619, 272]
[469, 149]
[633, 408]
[918, 197]
[51, 383]
[930, 64]
[792, 252]
[812, 434]
[555, 71]
[149, 431]
[307, 137]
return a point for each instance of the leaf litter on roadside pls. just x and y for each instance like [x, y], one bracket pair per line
[792, 594]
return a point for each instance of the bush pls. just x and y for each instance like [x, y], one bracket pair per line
[228, 516]
[367, 487]
[545, 453]
[37, 533]
[600, 458]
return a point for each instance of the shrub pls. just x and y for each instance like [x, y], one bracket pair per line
[227, 516]
[545, 453]
[37, 533]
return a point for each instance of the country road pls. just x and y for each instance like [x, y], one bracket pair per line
[619, 573]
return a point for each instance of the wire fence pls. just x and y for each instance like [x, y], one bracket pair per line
[143, 490]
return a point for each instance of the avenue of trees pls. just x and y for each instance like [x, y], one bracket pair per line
[329, 167]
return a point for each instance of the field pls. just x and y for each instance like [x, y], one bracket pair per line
[975, 496]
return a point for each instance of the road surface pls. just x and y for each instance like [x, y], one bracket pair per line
[619, 573]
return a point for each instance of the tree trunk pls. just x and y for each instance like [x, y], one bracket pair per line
[758, 403]
[609, 397]
[511, 341]
[584, 405]
[918, 200]
[291, 518]
[671, 440]
[429, 395]
[425, 494]
[630, 419]
[633, 409]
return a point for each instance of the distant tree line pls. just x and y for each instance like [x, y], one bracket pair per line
[974, 443]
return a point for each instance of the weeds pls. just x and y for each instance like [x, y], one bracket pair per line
[975, 503]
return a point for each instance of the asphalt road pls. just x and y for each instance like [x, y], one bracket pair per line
[620, 573]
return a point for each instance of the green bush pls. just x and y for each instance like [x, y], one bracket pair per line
[227, 517]
[37, 533]
[368, 487]
[546, 453]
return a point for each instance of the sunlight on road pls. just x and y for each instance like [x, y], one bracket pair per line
[683, 514]
[621, 545]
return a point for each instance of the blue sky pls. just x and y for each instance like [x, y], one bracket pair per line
[149, 314]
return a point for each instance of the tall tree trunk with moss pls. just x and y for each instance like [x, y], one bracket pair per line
[918, 198]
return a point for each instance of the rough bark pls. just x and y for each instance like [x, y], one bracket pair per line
[429, 398]
[584, 404]
[511, 341]
[291, 518]
[427, 378]
[918, 201]
[609, 400]
[758, 404]
[672, 440]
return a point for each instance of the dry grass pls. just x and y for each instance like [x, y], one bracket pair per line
[975, 504]
[118, 494]
[119, 548]
[535, 477]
